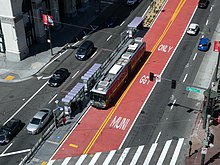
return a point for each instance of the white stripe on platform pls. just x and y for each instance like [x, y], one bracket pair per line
[136, 155]
[50, 162]
[177, 151]
[164, 152]
[81, 159]
[123, 156]
[109, 157]
[95, 158]
[66, 161]
[150, 153]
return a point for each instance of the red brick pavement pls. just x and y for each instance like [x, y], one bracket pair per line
[213, 154]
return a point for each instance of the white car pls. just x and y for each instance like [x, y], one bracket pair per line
[193, 29]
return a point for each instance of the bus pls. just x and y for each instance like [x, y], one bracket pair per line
[112, 83]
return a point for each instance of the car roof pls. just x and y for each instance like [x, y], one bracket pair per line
[11, 122]
[203, 40]
[86, 43]
[193, 25]
[40, 114]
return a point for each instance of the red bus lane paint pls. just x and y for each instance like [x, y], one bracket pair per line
[101, 131]
[131, 104]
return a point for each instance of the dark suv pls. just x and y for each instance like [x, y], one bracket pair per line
[10, 130]
[85, 50]
[203, 3]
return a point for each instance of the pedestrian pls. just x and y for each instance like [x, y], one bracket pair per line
[64, 120]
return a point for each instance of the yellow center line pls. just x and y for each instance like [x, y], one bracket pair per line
[180, 5]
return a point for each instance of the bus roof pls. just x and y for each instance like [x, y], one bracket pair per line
[124, 56]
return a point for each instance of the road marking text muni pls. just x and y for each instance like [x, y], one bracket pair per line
[119, 123]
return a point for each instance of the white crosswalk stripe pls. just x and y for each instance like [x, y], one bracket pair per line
[123, 156]
[137, 155]
[109, 157]
[95, 158]
[156, 154]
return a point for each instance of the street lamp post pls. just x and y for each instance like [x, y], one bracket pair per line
[49, 40]
[54, 112]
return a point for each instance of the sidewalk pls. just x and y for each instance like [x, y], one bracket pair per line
[198, 135]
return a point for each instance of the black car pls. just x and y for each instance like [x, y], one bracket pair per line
[58, 77]
[9, 130]
[203, 3]
[85, 50]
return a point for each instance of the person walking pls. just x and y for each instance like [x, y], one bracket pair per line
[64, 120]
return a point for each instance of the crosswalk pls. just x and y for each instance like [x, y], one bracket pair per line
[165, 153]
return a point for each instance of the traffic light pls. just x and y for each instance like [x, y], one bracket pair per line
[151, 76]
[173, 84]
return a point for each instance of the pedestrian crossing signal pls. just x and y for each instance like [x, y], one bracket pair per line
[173, 84]
[151, 76]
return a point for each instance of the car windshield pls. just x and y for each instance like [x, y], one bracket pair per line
[81, 50]
[56, 76]
[35, 121]
[2, 132]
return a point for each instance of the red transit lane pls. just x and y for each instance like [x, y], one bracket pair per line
[104, 130]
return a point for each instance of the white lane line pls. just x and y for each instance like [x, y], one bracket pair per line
[185, 78]
[75, 43]
[75, 74]
[93, 54]
[210, 9]
[177, 151]
[150, 154]
[122, 23]
[164, 152]
[194, 57]
[50, 162]
[66, 161]
[207, 22]
[158, 136]
[109, 157]
[95, 158]
[123, 156]
[109, 37]
[81, 159]
[6, 148]
[137, 155]
[174, 101]
[44, 78]
[26, 102]
[16, 152]
[52, 98]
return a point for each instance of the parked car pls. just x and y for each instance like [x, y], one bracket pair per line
[203, 3]
[10, 130]
[193, 29]
[85, 50]
[58, 77]
[204, 44]
[110, 22]
[39, 121]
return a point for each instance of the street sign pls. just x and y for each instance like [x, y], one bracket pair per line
[216, 47]
[192, 89]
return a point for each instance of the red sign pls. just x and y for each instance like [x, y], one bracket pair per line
[216, 46]
[47, 20]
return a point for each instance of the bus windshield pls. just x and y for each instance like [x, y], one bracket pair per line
[98, 97]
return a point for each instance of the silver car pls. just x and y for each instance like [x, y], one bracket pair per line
[39, 120]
